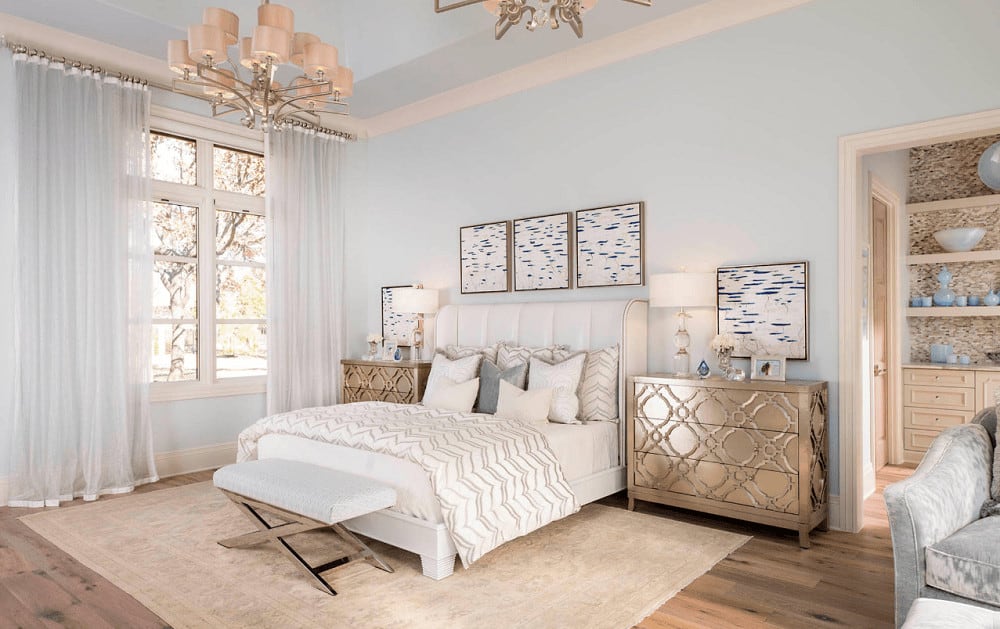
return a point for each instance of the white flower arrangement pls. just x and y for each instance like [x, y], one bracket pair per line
[723, 342]
[374, 338]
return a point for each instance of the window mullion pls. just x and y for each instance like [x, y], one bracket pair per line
[206, 268]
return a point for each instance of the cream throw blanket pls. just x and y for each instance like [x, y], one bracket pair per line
[497, 479]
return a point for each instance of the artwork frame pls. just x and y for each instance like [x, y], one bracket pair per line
[768, 368]
[610, 246]
[396, 327]
[766, 306]
[476, 243]
[543, 242]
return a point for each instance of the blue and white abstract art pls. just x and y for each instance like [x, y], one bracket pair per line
[484, 258]
[541, 252]
[609, 246]
[766, 307]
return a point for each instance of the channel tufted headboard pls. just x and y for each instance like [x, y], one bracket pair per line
[582, 325]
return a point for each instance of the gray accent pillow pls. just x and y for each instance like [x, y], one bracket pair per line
[489, 383]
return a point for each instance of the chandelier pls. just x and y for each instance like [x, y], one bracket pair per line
[534, 13]
[247, 85]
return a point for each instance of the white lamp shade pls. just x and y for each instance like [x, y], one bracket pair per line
[683, 290]
[205, 40]
[320, 57]
[276, 16]
[415, 300]
[178, 58]
[247, 60]
[272, 42]
[299, 41]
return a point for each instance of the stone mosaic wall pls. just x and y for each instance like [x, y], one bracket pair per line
[924, 224]
[968, 278]
[967, 335]
[947, 170]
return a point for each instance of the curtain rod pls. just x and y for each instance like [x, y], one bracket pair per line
[17, 48]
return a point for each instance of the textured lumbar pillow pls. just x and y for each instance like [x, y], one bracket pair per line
[510, 355]
[599, 385]
[449, 395]
[489, 352]
[490, 377]
[461, 370]
[564, 379]
[531, 407]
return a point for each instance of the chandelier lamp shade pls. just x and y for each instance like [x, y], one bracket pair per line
[534, 13]
[246, 84]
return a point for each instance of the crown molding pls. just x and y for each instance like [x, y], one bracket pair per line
[670, 30]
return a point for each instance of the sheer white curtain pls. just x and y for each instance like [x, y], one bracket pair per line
[305, 269]
[82, 282]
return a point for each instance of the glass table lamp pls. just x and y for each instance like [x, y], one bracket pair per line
[419, 301]
[682, 290]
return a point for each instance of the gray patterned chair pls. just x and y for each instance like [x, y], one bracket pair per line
[943, 548]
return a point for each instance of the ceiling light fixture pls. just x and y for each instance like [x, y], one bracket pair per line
[535, 13]
[249, 86]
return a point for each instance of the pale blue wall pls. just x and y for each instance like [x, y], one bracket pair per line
[731, 139]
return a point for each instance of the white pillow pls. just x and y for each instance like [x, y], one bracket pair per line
[449, 395]
[489, 352]
[510, 355]
[530, 407]
[460, 370]
[599, 386]
[564, 379]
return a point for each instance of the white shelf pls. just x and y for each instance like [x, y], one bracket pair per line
[954, 311]
[953, 204]
[962, 256]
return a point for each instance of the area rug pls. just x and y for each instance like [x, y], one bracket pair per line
[602, 567]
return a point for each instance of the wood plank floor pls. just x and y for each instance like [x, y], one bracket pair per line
[843, 580]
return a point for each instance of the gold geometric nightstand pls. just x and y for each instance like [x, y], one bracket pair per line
[402, 382]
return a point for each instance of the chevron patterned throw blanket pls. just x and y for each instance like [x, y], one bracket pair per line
[497, 479]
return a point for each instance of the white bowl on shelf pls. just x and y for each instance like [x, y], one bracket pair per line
[959, 238]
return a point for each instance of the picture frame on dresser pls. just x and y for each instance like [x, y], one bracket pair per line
[610, 246]
[543, 253]
[766, 307]
[484, 257]
[767, 368]
[397, 327]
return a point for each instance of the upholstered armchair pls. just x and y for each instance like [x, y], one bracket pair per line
[942, 548]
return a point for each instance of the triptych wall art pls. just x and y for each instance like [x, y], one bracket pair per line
[538, 252]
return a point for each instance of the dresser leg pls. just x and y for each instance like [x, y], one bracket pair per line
[824, 525]
[804, 537]
[631, 503]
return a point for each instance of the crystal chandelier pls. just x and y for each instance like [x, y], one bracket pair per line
[534, 13]
[248, 86]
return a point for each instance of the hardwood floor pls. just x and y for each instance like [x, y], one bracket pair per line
[843, 580]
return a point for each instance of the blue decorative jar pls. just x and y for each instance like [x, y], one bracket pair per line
[945, 296]
[703, 369]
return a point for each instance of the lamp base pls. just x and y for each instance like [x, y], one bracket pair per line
[682, 364]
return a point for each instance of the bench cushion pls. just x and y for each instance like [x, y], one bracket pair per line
[967, 563]
[315, 492]
[930, 613]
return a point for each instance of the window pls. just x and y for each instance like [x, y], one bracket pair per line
[208, 236]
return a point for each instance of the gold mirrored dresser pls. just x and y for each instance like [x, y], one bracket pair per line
[402, 381]
[751, 450]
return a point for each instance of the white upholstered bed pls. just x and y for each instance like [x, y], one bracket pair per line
[591, 455]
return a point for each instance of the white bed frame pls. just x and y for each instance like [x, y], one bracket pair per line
[580, 325]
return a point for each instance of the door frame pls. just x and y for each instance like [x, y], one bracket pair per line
[852, 194]
[895, 320]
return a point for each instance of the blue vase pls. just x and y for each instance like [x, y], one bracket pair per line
[992, 299]
[945, 296]
[703, 369]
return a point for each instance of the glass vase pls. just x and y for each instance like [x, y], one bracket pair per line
[725, 362]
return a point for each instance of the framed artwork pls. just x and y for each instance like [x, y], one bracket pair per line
[767, 368]
[766, 306]
[542, 252]
[396, 327]
[485, 257]
[609, 246]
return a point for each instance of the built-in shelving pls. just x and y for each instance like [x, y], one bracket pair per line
[950, 258]
[953, 204]
[954, 311]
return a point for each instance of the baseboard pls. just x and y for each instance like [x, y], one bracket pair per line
[835, 522]
[4, 490]
[195, 459]
[868, 480]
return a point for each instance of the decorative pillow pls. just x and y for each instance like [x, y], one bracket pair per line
[599, 386]
[461, 370]
[510, 355]
[490, 378]
[449, 395]
[489, 352]
[564, 379]
[531, 407]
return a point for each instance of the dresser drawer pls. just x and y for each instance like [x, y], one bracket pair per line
[940, 397]
[918, 440]
[717, 406]
[940, 377]
[777, 451]
[758, 488]
[931, 419]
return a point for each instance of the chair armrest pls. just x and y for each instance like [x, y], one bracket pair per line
[943, 495]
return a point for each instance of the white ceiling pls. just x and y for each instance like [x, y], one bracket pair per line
[400, 50]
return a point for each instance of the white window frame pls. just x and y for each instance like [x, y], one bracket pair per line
[207, 133]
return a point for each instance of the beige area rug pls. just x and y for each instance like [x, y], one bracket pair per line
[602, 567]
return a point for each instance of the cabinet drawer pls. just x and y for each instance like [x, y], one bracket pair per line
[718, 406]
[940, 377]
[940, 397]
[918, 440]
[761, 489]
[930, 419]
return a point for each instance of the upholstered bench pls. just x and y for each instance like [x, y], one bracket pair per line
[306, 497]
[932, 613]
